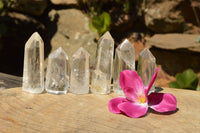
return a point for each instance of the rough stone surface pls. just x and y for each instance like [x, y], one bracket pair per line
[168, 16]
[160, 18]
[174, 41]
[33, 7]
[64, 2]
[71, 33]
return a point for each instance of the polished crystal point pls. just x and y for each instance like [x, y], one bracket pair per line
[146, 67]
[33, 75]
[57, 77]
[124, 59]
[101, 76]
[80, 72]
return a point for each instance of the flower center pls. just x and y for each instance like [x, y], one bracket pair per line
[141, 99]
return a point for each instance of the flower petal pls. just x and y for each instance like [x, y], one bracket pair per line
[152, 81]
[133, 110]
[131, 84]
[113, 104]
[162, 102]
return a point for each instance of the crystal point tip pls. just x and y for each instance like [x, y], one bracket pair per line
[59, 51]
[80, 51]
[146, 53]
[107, 35]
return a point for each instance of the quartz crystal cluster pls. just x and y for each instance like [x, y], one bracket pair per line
[146, 67]
[124, 59]
[59, 78]
[101, 76]
[33, 75]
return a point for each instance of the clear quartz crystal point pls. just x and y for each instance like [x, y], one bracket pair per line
[124, 59]
[33, 75]
[146, 67]
[101, 76]
[80, 73]
[57, 77]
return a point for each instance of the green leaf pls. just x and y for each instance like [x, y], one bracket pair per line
[187, 80]
[92, 28]
[101, 23]
[173, 84]
[106, 18]
[126, 7]
[1, 5]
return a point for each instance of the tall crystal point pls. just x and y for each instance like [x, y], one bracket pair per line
[57, 77]
[124, 59]
[101, 77]
[33, 75]
[146, 67]
[80, 74]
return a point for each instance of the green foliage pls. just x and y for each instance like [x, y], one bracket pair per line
[186, 80]
[100, 23]
[126, 7]
[126, 4]
[1, 5]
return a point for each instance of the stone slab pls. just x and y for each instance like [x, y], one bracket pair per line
[9, 81]
[24, 112]
[175, 41]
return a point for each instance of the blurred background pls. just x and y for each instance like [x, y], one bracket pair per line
[169, 28]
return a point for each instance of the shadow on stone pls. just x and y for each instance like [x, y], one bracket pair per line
[158, 89]
[18, 28]
[164, 113]
[176, 61]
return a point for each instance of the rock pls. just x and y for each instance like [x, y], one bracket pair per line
[176, 61]
[33, 7]
[17, 29]
[176, 52]
[165, 16]
[64, 2]
[71, 33]
[191, 29]
[162, 19]
[175, 41]
[121, 21]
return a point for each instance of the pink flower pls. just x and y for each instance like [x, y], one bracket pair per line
[137, 100]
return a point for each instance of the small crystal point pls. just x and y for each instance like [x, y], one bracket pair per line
[124, 59]
[106, 36]
[101, 77]
[146, 67]
[80, 73]
[57, 77]
[33, 75]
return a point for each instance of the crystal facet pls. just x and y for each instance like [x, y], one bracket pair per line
[124, 59]
[57, 77]
[101, 77]
[146, 67]
[33, 75]
[80, 74]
